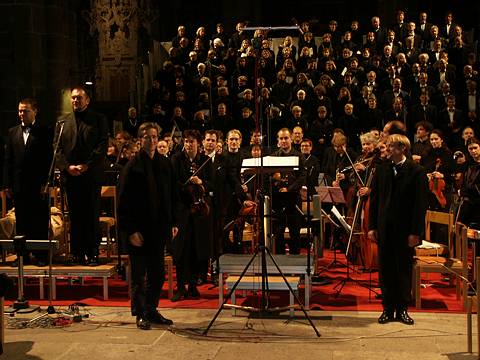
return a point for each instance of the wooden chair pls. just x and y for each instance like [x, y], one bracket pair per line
[109, 222]
[470, 301]
[456, 266]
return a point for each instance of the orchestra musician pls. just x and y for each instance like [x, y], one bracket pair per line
[470, 191]
[285, 206]
[440, 168]
[398, 204]
[360, 175]
[192, 246]
[235, 193]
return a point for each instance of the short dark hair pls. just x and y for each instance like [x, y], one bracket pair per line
[193, 134]
[427, 125]
[212, 132]
[29, 101]
[307, 141]
[473, 140]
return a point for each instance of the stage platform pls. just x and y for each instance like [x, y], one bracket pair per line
[59, 271]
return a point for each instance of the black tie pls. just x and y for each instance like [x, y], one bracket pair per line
[26, 127]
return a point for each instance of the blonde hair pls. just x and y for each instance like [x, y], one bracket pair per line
[234, 131]
[401, 140]
[339, 139]
[369, 137]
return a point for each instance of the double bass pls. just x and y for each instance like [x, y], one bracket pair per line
[366, 249]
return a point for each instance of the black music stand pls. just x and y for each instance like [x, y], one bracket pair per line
[21, 246]
[261, 167]
[331, 195]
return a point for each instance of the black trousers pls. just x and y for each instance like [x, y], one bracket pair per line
[396, 260]
[32, 217]
[288, 217]
[83, 196]
[148, 275]
[188, 263]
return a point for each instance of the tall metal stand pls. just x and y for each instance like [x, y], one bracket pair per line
[46, 191]
[264, 310]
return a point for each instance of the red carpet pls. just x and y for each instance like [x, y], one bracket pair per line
[439, 297]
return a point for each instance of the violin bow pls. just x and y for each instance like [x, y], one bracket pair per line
[200, 168]
[344, 148]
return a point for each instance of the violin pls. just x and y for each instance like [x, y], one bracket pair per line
[437, 185]
[196, 194]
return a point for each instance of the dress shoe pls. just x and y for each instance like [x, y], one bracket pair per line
[157, 318]
[181, 293]
[143, 323]
[386, 317]
[193, 291]
[403, 317]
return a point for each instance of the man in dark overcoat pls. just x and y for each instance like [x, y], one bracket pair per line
[398, 204]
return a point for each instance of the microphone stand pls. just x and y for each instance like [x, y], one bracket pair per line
[46, 192]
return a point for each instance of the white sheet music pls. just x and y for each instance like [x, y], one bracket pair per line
[271, 162]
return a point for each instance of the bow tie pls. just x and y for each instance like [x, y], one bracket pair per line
[26, 127]
[451, 110]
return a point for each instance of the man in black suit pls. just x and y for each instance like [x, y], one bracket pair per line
[81, 157]
[28, 154]
[148, 215]
[286, 186]
[398, 204]
[423, 28]
[450, 121]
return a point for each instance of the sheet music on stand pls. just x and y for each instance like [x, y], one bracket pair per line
[269, 164]
[330, 195]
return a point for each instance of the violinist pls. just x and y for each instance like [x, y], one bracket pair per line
[192, 247]
[285, 206]
[440, 167]
[470, 192]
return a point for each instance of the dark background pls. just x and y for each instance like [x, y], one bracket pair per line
[45, 47]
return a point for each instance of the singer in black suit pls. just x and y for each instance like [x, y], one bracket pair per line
[398, 204]
[81, 157]
[28, 154]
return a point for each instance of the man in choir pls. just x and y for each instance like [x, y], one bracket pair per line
[81, 157]
[147, 215]
[286, 195]
[398, 204]
[28, 154]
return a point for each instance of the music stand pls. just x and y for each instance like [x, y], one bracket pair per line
[331, 195]
[21, 246]
[264, 166]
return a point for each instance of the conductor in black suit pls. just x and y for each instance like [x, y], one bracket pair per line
[28, 154]
[398, 204]
[81, 157]
[147, 215]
